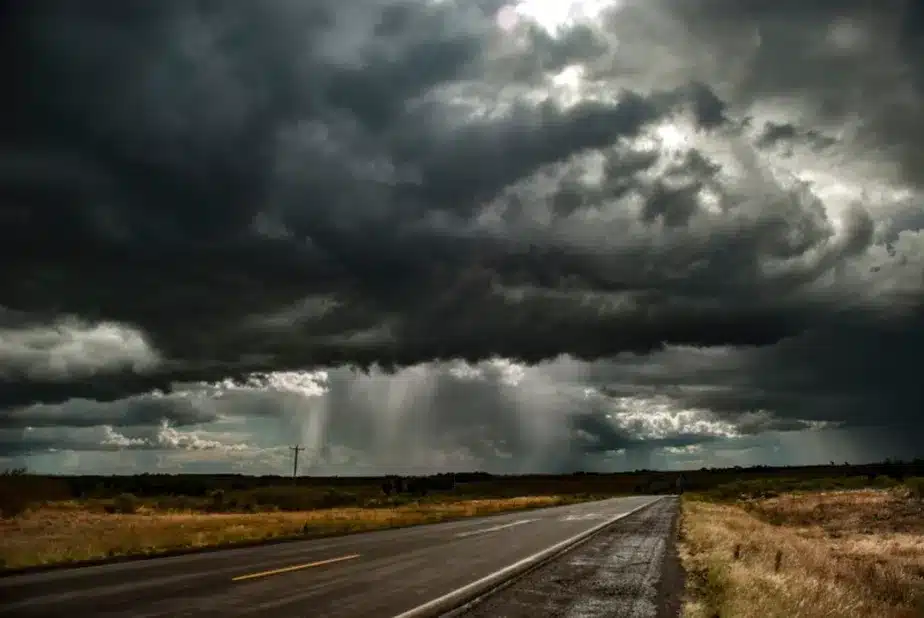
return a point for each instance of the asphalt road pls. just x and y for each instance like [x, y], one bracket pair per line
[370, 575]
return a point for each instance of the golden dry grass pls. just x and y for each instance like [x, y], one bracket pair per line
[843, 555]
[67, 532]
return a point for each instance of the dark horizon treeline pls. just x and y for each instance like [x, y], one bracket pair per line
[68, 487]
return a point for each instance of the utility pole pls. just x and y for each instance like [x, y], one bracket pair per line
[295, 449]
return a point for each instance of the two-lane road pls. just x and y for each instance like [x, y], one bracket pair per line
[370, 575]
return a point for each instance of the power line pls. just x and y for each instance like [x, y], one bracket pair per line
[295, 449]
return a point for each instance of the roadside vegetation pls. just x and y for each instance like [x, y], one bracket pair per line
[837, 547]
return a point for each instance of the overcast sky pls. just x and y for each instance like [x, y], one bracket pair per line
[428, 235]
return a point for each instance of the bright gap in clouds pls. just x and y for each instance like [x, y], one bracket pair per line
[552, 15]
[672, 137]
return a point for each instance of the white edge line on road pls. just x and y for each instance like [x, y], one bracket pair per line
[477, 589]
[519, 522]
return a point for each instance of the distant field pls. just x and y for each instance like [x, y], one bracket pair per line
[72, 531]
[805, 554]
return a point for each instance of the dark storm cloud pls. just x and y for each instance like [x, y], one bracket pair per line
[150, 139]
[130, 412]
[281, 185]
[851, 376]
[857, 376]
[786, 134]
[844, 63]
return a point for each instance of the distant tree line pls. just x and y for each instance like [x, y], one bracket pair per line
[237, 492]
[201, 485]
[419, 485]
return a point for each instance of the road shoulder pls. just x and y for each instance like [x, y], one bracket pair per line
[630, 570]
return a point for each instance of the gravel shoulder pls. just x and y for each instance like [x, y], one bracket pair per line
[629, 571]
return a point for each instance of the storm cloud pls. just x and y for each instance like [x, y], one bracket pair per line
[510, 234]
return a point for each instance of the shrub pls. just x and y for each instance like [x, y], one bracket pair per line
[299, 498]
[177, 503]
[883, 481]
[125, 504]
[333, 498]
[12, 503]
[20, 490]
[915, 487]
[217, 501]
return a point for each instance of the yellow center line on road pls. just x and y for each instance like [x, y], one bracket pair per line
[296, 567]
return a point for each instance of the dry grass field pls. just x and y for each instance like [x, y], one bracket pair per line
[839, 554]
[73, 531]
